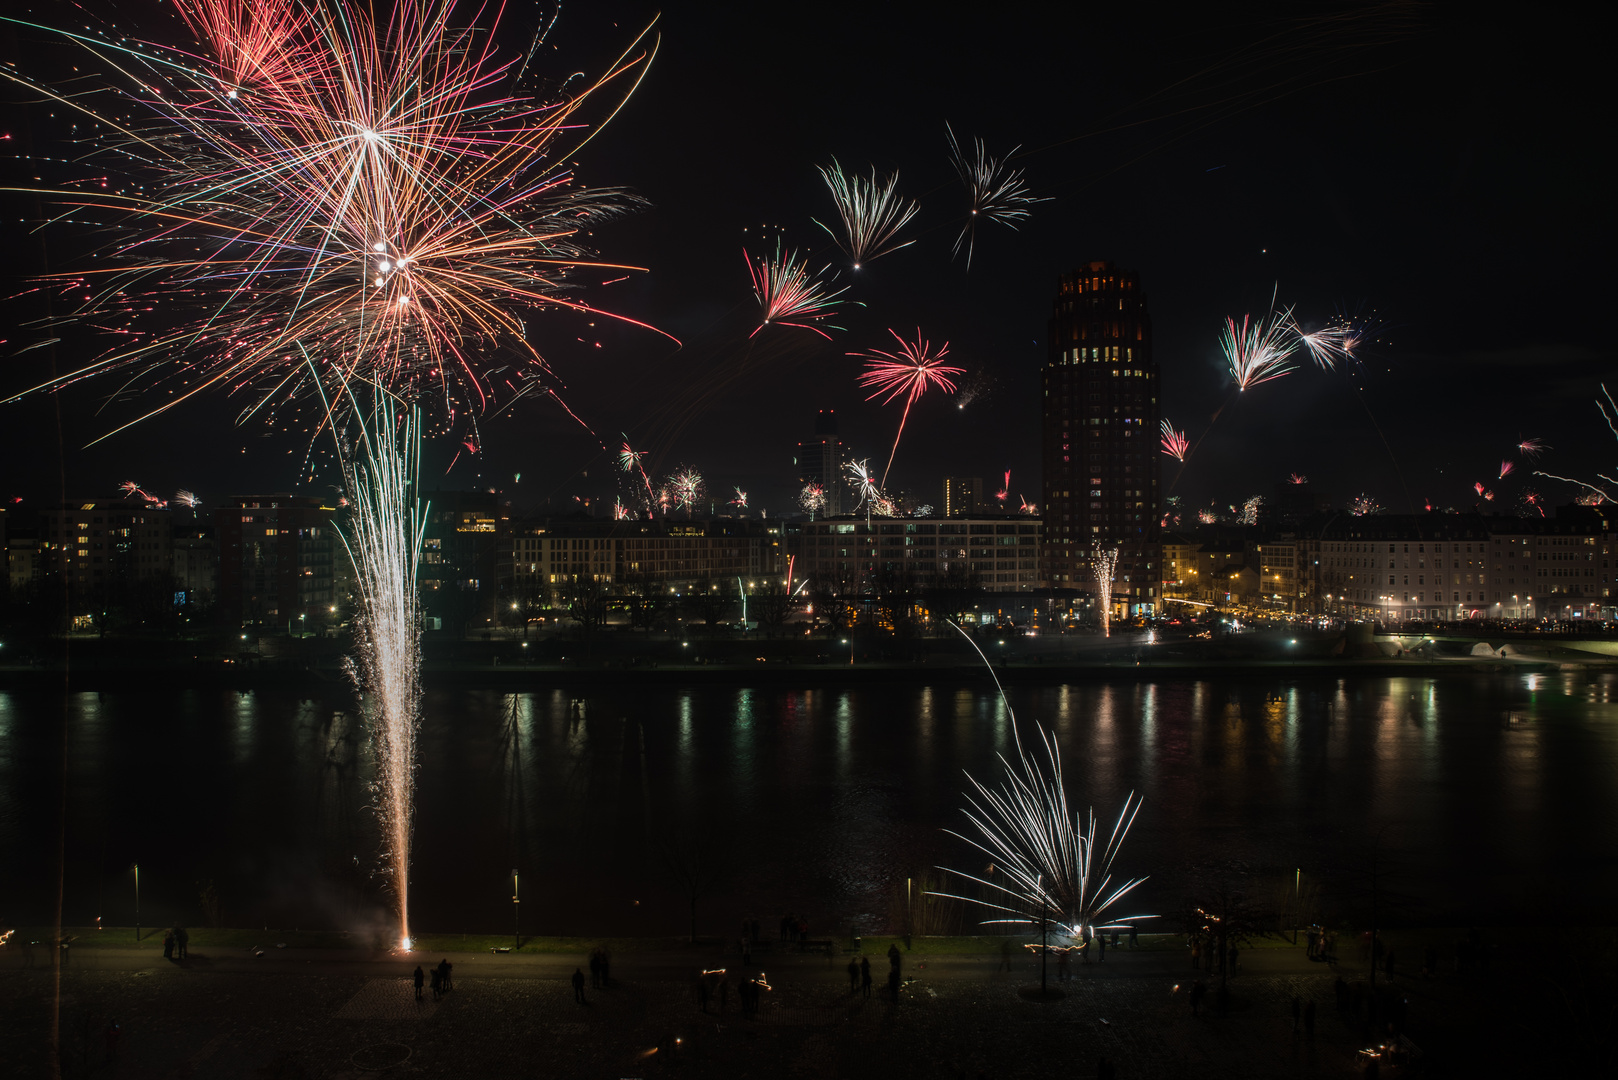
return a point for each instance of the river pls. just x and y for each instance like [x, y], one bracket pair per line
[1476, 798]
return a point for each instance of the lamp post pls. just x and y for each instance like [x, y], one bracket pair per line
[909, 904]
[516, 920]
[1297, 895]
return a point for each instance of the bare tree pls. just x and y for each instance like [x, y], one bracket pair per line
[710, 601]
[696, 866]
[1226, 918]
[773, 604]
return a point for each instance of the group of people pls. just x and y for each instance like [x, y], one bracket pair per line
[794, 928]
[600, 968]
[1218, 952]
[442, 979]
[1322, 944]
[859, 974]
[175, 943]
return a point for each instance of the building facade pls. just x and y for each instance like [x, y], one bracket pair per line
[111, 552]
[547, 555]
[1413, 567]
[277, 557]
[1100, 390]
[1000, 553]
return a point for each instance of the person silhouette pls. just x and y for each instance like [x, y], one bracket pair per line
[420, 978]
[578, 985]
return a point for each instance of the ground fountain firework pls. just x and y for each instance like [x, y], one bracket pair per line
[1049, 869]
[383, 539]
[1104, 565]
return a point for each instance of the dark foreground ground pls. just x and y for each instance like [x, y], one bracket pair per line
[310, 1013]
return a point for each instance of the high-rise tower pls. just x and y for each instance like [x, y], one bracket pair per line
[820, 461]
[1100, 433]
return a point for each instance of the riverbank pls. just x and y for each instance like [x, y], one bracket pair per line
[316, 679]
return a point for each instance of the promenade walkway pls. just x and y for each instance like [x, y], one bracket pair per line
[340, 1014]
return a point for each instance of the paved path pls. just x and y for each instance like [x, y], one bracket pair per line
[313, 1013]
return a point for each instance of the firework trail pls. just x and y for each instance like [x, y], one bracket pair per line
[1005, 490]
[1049, 863]
[1506, 468]
[1259, 350]
[1609, 413]
[740, 501]
[995, 193]
[1297, 478]
[813, 499]
[788, 293]
[1532, 499]
[620, 512]
[1026, 507]
[309, 181]
[383, 539]
[1103, 567]
[872, 211]
[911, 371]
[129, 487]
[1175, 443]
[187, 499]
[1363, 505]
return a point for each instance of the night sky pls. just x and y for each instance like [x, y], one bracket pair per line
[1426, 164]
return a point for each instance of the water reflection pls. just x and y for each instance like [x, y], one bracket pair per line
[827, 797]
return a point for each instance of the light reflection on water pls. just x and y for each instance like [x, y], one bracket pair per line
[823, 801]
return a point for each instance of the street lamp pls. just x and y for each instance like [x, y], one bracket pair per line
[516, 922]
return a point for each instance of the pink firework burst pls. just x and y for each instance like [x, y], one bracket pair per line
[1297, 478]
[789, 293]
[911, 371]
[1532, 447]
[1506, 468]
[1175, 444]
